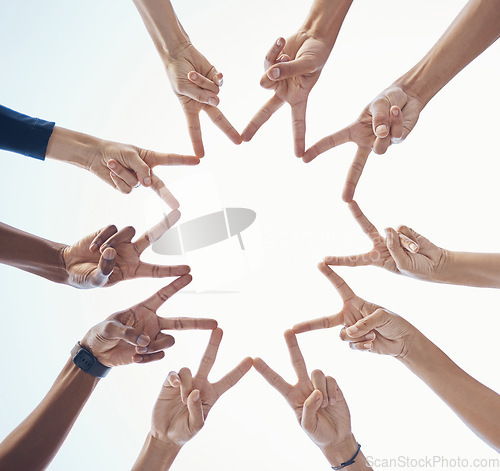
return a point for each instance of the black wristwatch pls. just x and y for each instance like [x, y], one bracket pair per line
[88, 362]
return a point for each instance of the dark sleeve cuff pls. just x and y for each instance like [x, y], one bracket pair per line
[24, 135]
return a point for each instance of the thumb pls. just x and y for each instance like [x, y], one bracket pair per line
[195, 410]
[104, 268]
[372, 322]
[395, 249]
[311, 406]
[284, 70]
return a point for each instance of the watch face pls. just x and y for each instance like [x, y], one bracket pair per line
[84, 360]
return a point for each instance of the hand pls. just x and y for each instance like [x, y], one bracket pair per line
[391, 255]
[353, 310]
[292, 69]
[185, 401]
[109, 256]
[196, 83]
[120, 165]
[386, 120]
[318, 403]
[135, 335]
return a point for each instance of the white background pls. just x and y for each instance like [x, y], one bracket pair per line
[90, 66]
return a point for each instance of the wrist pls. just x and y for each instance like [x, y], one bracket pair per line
[340, 452]
[156, 454]
[418, 85]
[445, 267]
[72, 147]
[415, 346]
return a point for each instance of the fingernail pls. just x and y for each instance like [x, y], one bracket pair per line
[111, 164]
[193, 76]
[381, 129]
[220, 82]
[147, 181]
[196, 395]
[137, 358]
[395, 112]
[279, 42]
[367, 345]
[275, 73]
[370, 336]
[141, 349]
[324, 403]
[332, 401]
[143, 340]
[93, 247]
[109, 254]
[351, 330]
[413, 247]
[212, 101]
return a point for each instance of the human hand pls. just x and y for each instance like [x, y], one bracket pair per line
[391, 254]
[354, 307]
[387, 120]
[196, 82]
[318, 403]
[135, 334]
[109, 256]
[120, 165]
[292, 69]
[185, 401]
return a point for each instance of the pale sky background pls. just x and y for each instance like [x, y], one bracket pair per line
[91, 66]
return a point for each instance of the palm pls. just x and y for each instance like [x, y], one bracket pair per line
[355, 309]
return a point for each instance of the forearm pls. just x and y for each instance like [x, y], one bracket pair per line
[470, 269]
[33, 254]
[35, 442]
[156, 454]
[476, 405]
[325, 19]
[475, 28]
[343, 452]
[163, 26]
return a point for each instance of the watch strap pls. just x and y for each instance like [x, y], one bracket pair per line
[87, 362]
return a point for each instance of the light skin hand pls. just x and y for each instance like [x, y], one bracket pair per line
[122, 166]
[318, 404]
[389, 253]
[196, 84]
[109, 256]
[185, 400]
[292, 69]
[387, 120]
[135, 335]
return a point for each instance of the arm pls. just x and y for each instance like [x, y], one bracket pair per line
[35, 442]
[475, 29]
[476, 405]
[393, 114]
[90, 262]
[195, 81]
[182, 408]
[24, 135]
[293, 67]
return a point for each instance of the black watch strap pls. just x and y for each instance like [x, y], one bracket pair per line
[88, 362]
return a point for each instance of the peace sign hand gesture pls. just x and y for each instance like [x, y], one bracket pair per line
[185, 401]
[109, 256]
[135, 334]
[318, 403]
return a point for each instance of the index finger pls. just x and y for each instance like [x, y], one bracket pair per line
[354, 173]
[158, 158]
[163, 192]
[320, 323]
[187, 323]
[223, 124]
[273, 378]
[230, 380]
[298, 363]
[299, 127]
[367, 227]
[154, 302]
[210, 354]
[153, 234]
[263, 115]
[194, 128]
[328, 142]
[341, 286]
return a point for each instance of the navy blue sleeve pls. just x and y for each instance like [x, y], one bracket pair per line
[24, 135]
